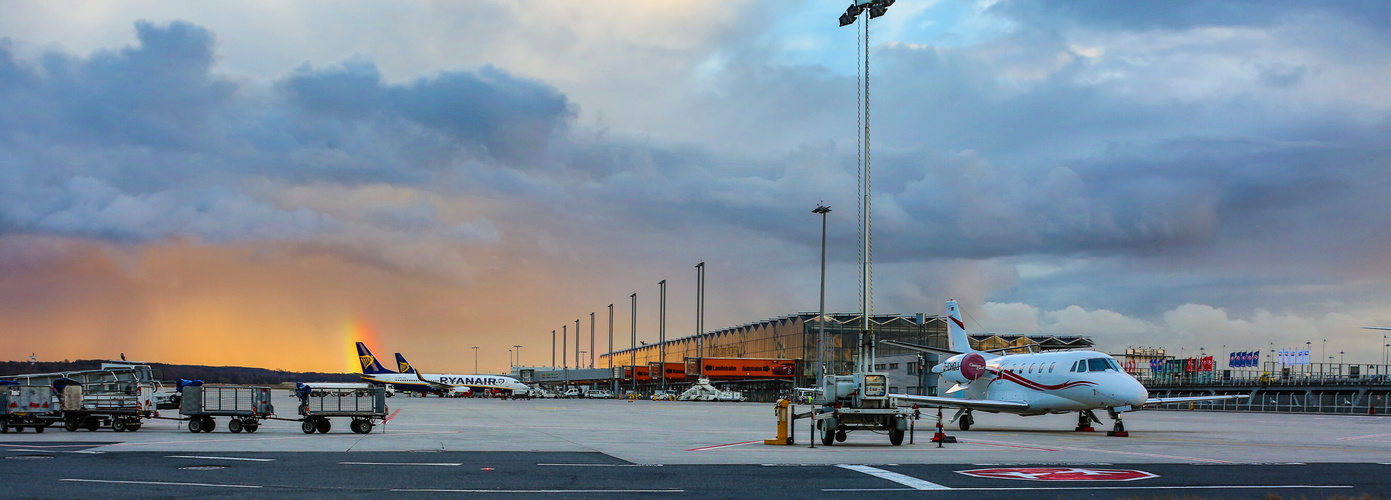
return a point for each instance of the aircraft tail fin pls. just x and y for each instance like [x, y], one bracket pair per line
[370, 366]
[402, 365]
[956, 330]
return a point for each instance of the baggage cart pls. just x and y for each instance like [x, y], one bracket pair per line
[27, 406]
[119, 405]
[245, 407]
[363, 403]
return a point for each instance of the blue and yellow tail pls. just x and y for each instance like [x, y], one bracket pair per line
[402, 365]
[370, 366]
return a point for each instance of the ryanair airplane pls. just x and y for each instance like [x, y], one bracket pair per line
[408, 379]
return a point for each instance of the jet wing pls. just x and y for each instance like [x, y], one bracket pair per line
[1155, 401]
[434, 385]
[973, 404]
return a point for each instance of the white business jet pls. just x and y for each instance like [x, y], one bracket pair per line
[1034, 383]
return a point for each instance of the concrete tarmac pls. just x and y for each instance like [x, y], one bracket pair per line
[605, 449]
[650, 432]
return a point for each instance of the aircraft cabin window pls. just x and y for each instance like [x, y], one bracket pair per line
[1098, 364]
[1031, 368]
[1051, 366]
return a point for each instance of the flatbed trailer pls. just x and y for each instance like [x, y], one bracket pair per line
[245, 407]
[32, 406]
[119, 405]
[363, 403]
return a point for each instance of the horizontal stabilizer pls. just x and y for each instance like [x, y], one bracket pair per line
[923, 348]
[956, 388]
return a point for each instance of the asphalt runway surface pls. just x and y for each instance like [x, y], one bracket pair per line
[576, 448]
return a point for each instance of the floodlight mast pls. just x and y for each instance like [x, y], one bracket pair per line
[864, 359]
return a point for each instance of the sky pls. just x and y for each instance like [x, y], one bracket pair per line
[261, 183]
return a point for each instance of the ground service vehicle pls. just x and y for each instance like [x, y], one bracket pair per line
[246, 406]
[27, 406]
[118, 404]
[363, 403]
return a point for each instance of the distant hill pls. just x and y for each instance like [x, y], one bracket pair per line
[164, 371]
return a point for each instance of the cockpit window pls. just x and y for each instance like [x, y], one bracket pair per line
[1099, 364]
[1082, 366]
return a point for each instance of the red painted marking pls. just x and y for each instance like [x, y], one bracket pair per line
[1060, 474]
[703, 448]
[391, 416]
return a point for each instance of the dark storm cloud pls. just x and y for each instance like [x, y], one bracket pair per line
[149, 141]
[512, 119]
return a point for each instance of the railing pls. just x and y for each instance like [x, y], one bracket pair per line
[1374, 402]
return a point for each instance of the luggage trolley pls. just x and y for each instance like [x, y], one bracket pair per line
[26, 406]
[246, 406]
[119, 404]
[364, 403]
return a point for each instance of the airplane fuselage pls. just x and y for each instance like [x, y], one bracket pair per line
[409, 381]
[1052, 382]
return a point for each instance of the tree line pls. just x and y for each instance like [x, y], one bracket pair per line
[168, 372]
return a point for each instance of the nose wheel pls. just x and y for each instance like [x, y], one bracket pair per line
[1084, 422]
[1119, 429]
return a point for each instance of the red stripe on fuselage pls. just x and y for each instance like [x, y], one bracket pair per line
[1018, 379]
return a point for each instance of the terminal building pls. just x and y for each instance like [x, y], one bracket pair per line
[767, 359]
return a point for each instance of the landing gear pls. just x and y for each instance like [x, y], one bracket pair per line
[965, 421]
[1119, 429]
[1084, 422]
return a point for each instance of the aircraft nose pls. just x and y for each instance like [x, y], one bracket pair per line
[1134, 393]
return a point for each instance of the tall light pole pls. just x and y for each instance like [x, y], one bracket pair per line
[700, 315]
[821, 312]
[552, 349]
[615, 379]
[1324, 354]
[519, 355]
[475, 359]
[662, 331]
[578, 364]
[591, 340]
[876, 8]
[633, 365]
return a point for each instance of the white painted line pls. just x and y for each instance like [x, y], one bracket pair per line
[426, 464]
[223, 458]
[599, 465]
[908, 481]
[410, 490]
[1046, 488]
[1353, 438]
[160, 483]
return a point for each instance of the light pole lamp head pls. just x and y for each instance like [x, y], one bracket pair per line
[821, 209]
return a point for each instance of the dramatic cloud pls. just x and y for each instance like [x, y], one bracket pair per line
[1190, 172]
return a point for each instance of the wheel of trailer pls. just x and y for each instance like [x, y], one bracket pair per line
[93, 424]
[323, 426]
[234, 425]
[828, 434]
[4, 426]
[308, 426]
[39, 429]
[366, 426]
[209, 424]
[840, 436]
[895, 436]
[250, 425]
[131, 427]
[356, 426]
[118, 425]
[195, 425]
[70, 425]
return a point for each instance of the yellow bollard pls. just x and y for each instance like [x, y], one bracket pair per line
[784, 419]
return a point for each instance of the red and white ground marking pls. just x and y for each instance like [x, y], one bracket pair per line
[1059, 474]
